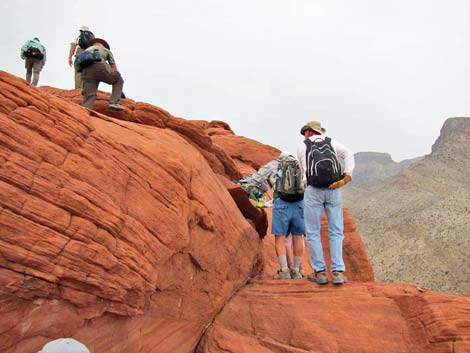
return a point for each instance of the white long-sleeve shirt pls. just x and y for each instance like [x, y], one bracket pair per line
[344, 154]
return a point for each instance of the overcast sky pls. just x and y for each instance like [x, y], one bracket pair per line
[380, 75]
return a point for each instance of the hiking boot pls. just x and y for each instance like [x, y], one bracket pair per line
[295, 274]
[318, 277]
[116, 106]
[282, 274]
[339, 278]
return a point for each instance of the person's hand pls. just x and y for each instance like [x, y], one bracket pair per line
[346, 179]
[70, 62]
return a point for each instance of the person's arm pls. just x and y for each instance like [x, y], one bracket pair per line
[301, 149]
[73, 46]
[347, 156]
[111, 60]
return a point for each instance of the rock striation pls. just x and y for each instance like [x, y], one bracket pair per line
[120, 229]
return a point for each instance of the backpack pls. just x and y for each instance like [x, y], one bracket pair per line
[84, 39]
[88, 58]
[323, 167]
[33, 52]
[289, 183]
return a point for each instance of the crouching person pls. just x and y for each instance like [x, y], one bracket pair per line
[288, 216]
[97, 65]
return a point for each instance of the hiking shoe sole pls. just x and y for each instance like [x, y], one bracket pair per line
[295, 274]
[341, 279]
[116, 107]
[282, 275]
[312, 278]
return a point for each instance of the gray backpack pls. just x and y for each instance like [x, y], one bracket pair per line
[289, 183]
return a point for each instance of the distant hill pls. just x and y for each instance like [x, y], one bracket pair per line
[375, 166]
[416, 223]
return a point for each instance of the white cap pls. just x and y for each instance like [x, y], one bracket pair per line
[84, 28]
[64, 345]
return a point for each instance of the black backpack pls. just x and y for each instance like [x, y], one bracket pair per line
[323, 167]
[33, 52]
[84, 39]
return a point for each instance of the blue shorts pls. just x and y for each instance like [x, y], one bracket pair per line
[288, 217]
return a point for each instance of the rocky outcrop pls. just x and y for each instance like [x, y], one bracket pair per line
[296, 317]
[101, 215]
[376, 166]
[118, 229]
[416, 223]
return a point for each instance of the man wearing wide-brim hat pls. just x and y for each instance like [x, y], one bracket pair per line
[102, 71]
[320, 158]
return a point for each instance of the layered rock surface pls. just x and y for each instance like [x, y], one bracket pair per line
[119, 229]
[416, 224]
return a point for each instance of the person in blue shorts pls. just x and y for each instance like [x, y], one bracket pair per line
[288, 216]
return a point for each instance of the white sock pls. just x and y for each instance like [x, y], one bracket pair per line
[297, 261]
[283, 262]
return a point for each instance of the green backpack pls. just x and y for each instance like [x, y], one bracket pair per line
[289, 183]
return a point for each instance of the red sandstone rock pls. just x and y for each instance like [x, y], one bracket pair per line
[299, 317]
[107, 216]
[117, 229]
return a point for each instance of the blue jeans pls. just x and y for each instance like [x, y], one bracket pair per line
[315, 200]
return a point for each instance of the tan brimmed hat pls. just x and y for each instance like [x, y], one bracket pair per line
[84, 28]
[314, 126]
[100, 41]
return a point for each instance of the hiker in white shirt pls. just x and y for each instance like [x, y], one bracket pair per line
[319, 158]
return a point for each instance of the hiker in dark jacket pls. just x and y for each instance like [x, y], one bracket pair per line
[34, 55]
[103, 71]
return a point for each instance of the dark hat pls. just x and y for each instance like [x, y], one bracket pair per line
[100, 41]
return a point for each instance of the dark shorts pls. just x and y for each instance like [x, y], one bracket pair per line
[288, 218]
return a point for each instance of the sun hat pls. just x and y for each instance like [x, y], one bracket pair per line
[84, 28]
[64, 345]
[100, 41]
[314, 126]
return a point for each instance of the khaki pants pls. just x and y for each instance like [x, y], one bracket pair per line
[78, 75]
[93, 75]
[33, 66]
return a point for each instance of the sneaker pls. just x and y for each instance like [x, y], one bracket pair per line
[295, 274]
[117, 106]
[318, 277]
[339, 278]
[282, 274]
